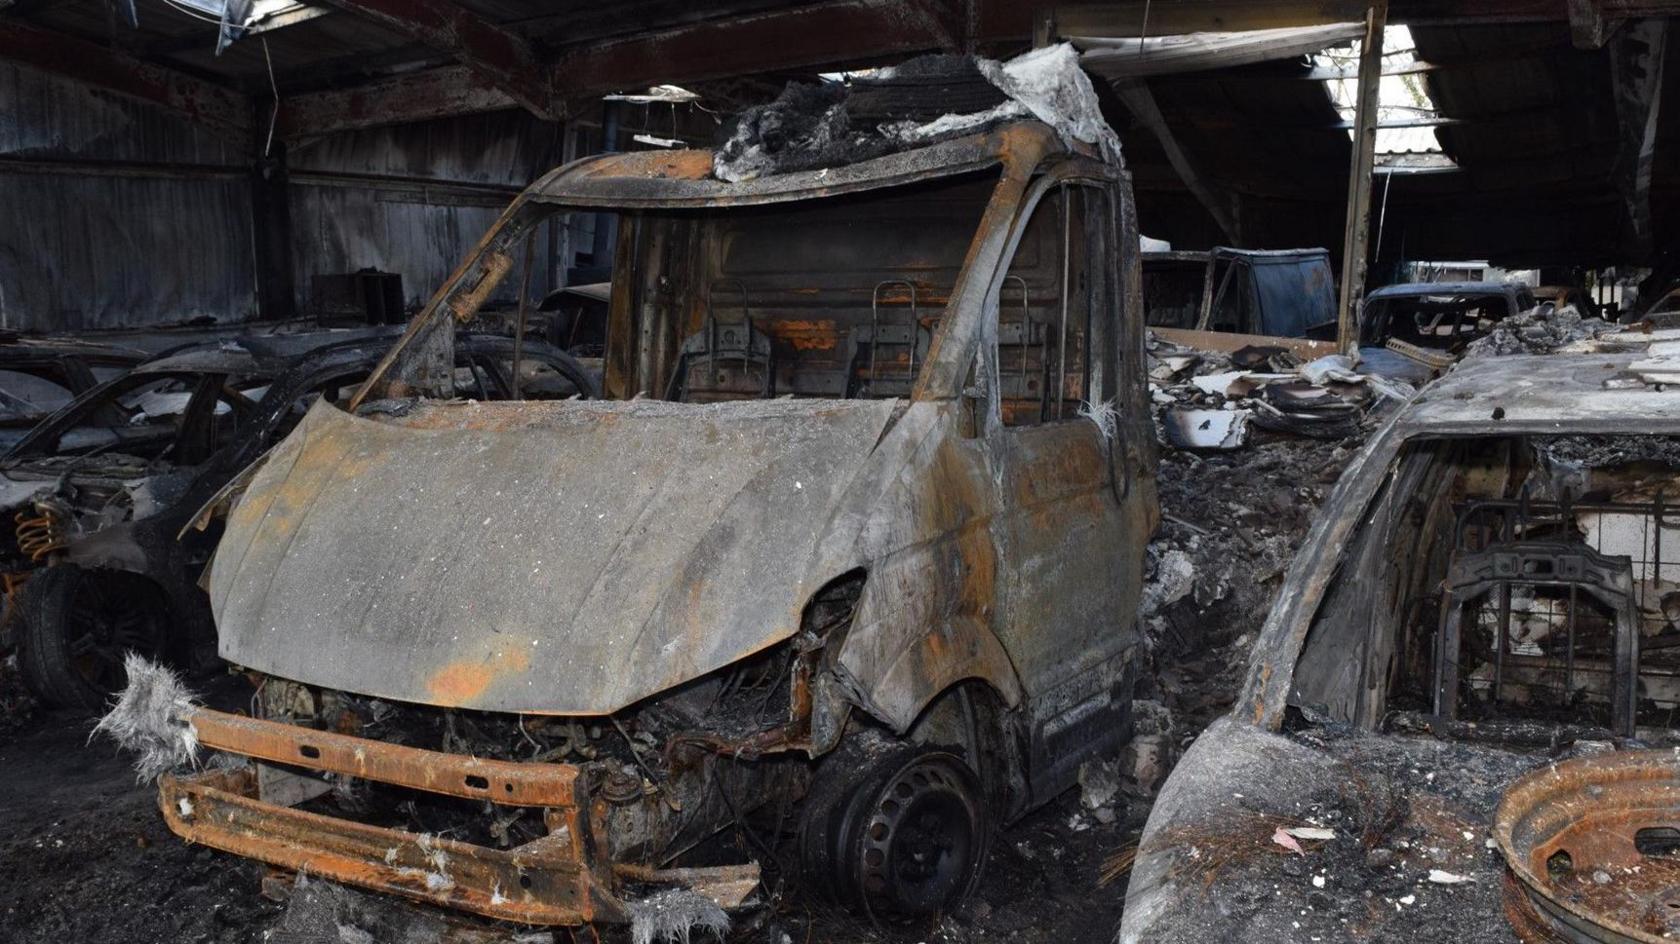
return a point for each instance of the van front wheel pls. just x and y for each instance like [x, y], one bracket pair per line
[908, 840]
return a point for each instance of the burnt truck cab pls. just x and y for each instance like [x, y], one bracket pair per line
[859, 526]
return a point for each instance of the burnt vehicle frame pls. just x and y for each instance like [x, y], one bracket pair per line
[972, 688]
[1444, 318]
[1360, 706]
[67, 367]
[91, 557]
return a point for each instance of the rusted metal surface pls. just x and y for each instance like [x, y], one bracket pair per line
[542, 882]
[1572, 834]
[500, 782]
[544, 550]
[583, 559]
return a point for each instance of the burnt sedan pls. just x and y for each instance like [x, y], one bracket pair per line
[1432, 743]
[98, 492]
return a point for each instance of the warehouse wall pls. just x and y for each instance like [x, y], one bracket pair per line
[414, 199]
[85, 246]
[119, 215]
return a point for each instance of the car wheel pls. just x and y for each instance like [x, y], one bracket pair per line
[902, 837]
[74, 626]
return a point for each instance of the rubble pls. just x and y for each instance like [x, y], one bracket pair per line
[1540, 330]
[1207, 400]
[825, 125]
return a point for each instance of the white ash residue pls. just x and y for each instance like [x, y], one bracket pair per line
[1540, 330]
[152, 718]
[674, 915]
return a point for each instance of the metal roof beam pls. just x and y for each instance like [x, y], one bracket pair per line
[1170, 17]
[413, 96]
[503, 59]
[800, 38]
[218, 108]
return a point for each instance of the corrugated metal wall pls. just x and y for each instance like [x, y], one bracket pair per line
[80, 250]
[119, 215]
[420, 197]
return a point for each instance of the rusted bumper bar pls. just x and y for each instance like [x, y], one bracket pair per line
[548, 881]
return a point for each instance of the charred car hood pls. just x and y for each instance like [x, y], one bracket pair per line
[567, 558]
[1409, 855]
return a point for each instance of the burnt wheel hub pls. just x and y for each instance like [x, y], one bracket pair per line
[920, 843]
[1594, 846]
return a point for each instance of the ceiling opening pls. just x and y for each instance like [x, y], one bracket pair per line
[1406, 115]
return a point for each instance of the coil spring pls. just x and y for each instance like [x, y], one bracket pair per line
[40, 534]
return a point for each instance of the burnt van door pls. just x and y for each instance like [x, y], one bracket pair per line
[1065, 561]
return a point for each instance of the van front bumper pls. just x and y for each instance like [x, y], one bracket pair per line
[553, 880]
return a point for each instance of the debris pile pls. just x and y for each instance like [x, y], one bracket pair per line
[923, 101]
[1212, 401]
[1231, 524]
[1540, 330]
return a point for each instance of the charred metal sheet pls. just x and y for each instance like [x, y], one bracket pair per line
[221, 109]
[497, 563]
[683, 178]
[542, 882]
[1592, 842]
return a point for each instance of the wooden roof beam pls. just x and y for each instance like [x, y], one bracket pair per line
[216, 107]
[502, 59]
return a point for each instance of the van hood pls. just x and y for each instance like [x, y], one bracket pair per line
[547, 557]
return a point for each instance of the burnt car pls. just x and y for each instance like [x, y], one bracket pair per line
[97, 493]
[1480, 622]
[850, 550]
[1415, 330]
[1277, 293]
[41, 375]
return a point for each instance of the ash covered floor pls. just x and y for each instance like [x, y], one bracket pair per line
[90, 859]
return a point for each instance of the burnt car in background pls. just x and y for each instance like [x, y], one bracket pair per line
[860, 527]
[38, 376]
[1490, 589]
[98, 492]
[1415, 330]
[1281, 293]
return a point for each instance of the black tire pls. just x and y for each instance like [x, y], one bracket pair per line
[901, 837]
[74, 626]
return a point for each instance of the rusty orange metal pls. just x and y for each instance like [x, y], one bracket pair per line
[546, 881]
[501, 782]
[1572, 834]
